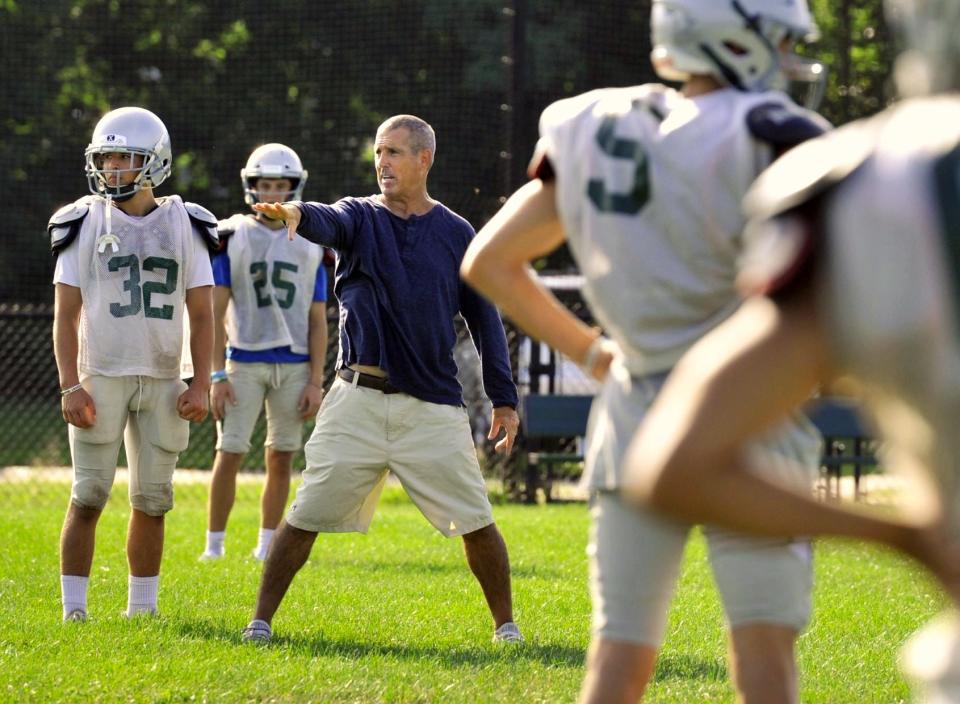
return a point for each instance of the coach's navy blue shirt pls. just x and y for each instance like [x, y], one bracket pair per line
[398, 283]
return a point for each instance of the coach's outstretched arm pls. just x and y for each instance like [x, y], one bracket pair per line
[497, 264]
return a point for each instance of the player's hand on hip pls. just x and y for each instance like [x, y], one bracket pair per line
[78, 409]
[507, 420]
[221, 394]
[289, 213]
[310, 401]
[193, 404]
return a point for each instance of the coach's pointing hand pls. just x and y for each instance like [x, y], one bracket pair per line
[287, 212]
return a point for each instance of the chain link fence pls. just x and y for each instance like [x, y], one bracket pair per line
[227, 76]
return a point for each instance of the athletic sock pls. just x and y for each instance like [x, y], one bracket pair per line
[142, 595]
[73, 589]
[215, 542]
[263, 543]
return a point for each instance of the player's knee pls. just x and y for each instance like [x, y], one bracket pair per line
[154, 500]
[91, 493]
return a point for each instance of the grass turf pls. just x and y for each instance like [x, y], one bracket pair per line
[395, 616]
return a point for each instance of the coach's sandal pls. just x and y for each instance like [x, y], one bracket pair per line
[257, 631]
[76, 616]
[508, 633]
[208, 556]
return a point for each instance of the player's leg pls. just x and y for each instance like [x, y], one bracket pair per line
[766, 584]
[154, 437]
[763, 663]
[249, 383]
[346, 471]
[94, 452]
[284, 439]
[635, 558]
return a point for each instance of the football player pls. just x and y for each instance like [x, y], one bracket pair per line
[645, 185]
[130, 266]
[270, 342]
[854, 270]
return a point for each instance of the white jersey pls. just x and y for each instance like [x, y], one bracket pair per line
[133, 280]
[272, 281]
[649, 186]
[887, 267]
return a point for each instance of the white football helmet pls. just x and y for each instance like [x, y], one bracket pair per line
[736, 41]
[273, 161]
[930, 34]
[132, 131]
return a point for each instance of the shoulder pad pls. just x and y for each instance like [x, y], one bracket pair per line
[809, 170]
[204, 223]
[784, 126]
[65, 223]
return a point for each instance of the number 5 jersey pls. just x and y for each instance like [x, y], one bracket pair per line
[649, 185]
[133, 274]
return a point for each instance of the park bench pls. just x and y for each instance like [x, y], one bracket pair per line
[554, 425]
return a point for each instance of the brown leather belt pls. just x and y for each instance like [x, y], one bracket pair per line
[368, 381]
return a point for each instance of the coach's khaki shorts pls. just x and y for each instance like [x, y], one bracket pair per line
[281, 386]
[142, 412]
[635, 555]
[360, 434]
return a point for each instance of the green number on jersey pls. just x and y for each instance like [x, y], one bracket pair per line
[131, 284]
[289, 288]
[629, 203]
[140, 295]
[164, 312]
[258, 270]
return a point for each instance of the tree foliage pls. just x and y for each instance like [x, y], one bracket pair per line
[227, 76]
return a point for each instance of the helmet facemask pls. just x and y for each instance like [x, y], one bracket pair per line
[98, 177]
[740, 48]
[273, 161]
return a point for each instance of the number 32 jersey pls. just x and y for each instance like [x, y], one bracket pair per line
[649, 188]
[134, 280]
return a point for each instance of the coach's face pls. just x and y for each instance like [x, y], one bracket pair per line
[401, 172]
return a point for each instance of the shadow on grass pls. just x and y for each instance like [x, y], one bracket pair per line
[321, 645]
[677, 666]
[422, 567]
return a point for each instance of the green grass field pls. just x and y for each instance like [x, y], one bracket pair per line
[395, 616]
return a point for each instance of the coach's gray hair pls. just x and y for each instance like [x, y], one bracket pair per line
[422, 135]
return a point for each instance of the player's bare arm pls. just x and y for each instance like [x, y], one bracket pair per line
[497, 264]
[193, 404]
[312, 395]
[506, 419]
[287, 212]
[76, 405]
[687, 458]
[221, 392]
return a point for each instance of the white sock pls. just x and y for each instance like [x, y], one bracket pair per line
[263, 542]
[215, 542]
[142, 595]
[74, 593]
